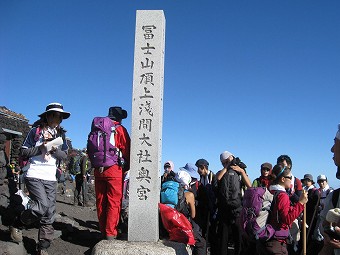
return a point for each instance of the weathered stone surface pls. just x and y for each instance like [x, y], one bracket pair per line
[146, 131]
[140, 248]
[9, 248]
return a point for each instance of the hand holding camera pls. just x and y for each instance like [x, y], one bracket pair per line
[333, 217]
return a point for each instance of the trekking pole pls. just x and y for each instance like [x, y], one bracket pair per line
[304, 229]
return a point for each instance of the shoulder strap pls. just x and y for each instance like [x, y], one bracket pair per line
[335, 197]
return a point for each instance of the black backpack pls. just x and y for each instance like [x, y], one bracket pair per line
[229, 191]
[74, 165]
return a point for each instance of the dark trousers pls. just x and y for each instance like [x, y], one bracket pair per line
[200, 247]
[272, 247]
[42, 205]
[81, 189]
[228, 230]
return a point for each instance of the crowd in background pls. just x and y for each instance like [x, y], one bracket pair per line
[213, 201]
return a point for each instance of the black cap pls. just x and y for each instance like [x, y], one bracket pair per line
[202, 162]
[117, 113]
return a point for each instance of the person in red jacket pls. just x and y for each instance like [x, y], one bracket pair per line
[283, 213]
[109, 183]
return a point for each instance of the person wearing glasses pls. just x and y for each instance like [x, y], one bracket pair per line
[295, 189]
[40, 177]
[283, 213]
[264, 179]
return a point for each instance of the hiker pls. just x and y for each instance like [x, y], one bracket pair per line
[109, 180]
[40, 177]
[295, 189]
[184, 179]
[206, 203]
[283, 213]
[15, 169]
[294, 192]
[168, 171]
[316, 244]
[229, 201]
[264, 179]
[191, 169]
[332, 244]
[312, 211]
[325, 189]
[81, 179]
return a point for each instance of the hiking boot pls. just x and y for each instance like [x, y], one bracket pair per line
[16, 234]
[110, 238]
[89, 204]
[42, 252]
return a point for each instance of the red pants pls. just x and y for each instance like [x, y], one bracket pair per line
[109, 192]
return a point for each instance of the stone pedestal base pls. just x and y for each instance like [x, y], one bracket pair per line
[117, 247]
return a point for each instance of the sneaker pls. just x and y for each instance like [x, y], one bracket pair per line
[16, 234]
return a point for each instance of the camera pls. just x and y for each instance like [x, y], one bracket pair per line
[330, 230]
[237, 162]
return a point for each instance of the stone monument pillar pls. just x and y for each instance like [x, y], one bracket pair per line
[146, 130]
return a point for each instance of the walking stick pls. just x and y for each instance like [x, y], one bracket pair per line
[304, 229]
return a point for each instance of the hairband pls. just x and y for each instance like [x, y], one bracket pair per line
[281, 172]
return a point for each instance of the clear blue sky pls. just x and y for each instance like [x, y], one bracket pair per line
[257, 78]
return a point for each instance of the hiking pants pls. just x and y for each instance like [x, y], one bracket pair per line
[109, 192]
[42, 206]
[81, 189]
[229, 230]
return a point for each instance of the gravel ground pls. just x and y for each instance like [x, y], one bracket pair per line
[76, 228]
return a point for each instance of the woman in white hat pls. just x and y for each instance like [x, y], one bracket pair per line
[45, 146]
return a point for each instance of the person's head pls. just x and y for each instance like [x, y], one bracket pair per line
[183, 177]
[285, 160]
[266, 169]
[191, 169]
[54, 114]
[116, 113]
[226, 157]
[322, 181]
[307, 180]
[202, 167]
[282, 175]
[168, 166]
[336, 148]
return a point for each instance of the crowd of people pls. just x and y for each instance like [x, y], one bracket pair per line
[214, 202]
[218, 206]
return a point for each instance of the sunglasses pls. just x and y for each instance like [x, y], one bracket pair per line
[320, 181]
[288, 177]
[56, 115]
[265, 169]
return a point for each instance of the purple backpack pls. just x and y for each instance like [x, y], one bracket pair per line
[257, 205]
[101, 143]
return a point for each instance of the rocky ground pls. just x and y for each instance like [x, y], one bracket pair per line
[76, 229]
